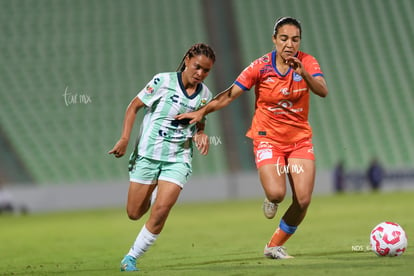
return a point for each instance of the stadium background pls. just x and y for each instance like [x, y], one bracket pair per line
[69, 69]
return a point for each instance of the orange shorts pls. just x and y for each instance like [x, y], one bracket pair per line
[267, 152]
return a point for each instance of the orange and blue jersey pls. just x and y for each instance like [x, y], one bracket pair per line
[282, 101]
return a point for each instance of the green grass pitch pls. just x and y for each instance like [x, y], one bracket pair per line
[217, 238]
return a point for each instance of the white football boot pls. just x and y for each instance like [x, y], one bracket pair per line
[277, 252]
[269, 209]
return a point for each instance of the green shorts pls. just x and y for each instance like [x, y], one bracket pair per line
[148, 171]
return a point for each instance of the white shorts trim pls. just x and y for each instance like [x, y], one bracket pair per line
[140, 181]
[172, 180]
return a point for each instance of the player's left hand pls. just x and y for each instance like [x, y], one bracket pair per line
[295, 64]
[202, 142]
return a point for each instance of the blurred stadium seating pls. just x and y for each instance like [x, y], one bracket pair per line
[104, 51]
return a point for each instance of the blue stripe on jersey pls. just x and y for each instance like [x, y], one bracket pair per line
[241, 86]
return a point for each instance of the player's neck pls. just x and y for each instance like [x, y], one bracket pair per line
[191, 89]
[281, 66]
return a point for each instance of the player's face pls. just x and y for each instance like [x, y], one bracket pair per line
[197, 69]
[287, 41]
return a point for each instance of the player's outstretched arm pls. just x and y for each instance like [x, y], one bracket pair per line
[220, 101]
[120, 147]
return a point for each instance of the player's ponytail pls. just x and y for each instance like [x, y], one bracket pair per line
[196, 50]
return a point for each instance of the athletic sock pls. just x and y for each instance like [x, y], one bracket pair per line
[282, 234]
[143, 241]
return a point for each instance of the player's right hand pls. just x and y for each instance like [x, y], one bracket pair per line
[120, 148]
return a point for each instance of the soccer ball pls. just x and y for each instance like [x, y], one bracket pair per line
[388, 239]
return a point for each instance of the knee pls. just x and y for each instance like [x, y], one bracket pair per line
[160, 211]
[276, 197]
[302, 203]
[134, 215]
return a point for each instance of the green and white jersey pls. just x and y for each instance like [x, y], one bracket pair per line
[162, 137]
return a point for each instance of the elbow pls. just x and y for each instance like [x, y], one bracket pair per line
[323, 92]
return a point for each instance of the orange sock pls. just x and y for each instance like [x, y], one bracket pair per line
[282, 234]
[279, 238]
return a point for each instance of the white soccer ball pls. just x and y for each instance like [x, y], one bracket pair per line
[388, 239]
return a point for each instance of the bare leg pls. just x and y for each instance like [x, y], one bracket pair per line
[274, 183]
[139, 196]
[301, 177]
[167, 196]
[302, 181]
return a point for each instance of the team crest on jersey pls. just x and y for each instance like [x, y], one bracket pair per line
[297, 77]
[149, 89]
[203, 101]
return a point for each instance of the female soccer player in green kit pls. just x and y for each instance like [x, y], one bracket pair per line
[162, 157]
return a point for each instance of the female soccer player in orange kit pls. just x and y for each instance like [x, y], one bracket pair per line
[281, 134]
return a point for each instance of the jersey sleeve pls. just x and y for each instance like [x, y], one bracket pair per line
[312, 66]
[151, 92]
[249, 76]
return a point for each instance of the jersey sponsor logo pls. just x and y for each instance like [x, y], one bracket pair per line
[264, 145]
[265, 58]
[285, 104]
[266, 69]
[176, 134]
[174, 98]
[285, 91]
[149, 89]
[297, 77]
[162, 133]
[264, 154]
[299, 90]
[157, 80]
[284, 107]
[316, 66]
[264, 151]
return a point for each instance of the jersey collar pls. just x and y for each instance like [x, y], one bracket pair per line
[275, 67]
[180, 81]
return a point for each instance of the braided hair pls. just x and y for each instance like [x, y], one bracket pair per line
[196, 50]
